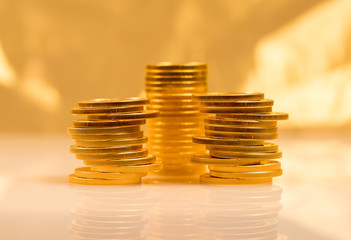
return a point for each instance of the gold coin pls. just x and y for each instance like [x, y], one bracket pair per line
[112, 156]
[239, 123]
[252, 155]
[104, 150]
[112, 102]
[266, 147]
[241, 135]
[125, 116]
[103, 130]
[207, 178]
[180, 78]
[226, 141]
[107, 123]
[130, 169]
[241, 129]
[174, 66]
[87, 172]
[274, 116]
[80, 110]
[235, 109]
[91, 181]
[107, 137]
[252, 103]
[199, 73]
[206, 159]
[142, 160]
[112, 143]
[173, 108]
[239, 96]
[263, 166]
[268, 174]
[173, 84]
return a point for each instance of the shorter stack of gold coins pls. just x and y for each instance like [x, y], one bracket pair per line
[236, 131]
[170, 88]
[110, 142]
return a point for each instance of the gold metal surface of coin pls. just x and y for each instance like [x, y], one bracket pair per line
[111, 143]
[274, 116]
[206, 159]
[175, 66]
[87, 172]
[263, 166]
[112, 156]
[268, 174]
[106, 110]
[241, 135]
[239, 96]
[132, 161]
[107, 137]
[239, 123]
[220, 128]
[112, 102]
[107, 123]
[130, 169]
[104, 150]
[252, 155]
[266, 147]
[103, 130]
[89, 181]
[226, 141]
[208, 179]
[252, 103]
[220, 110]
[125, 116]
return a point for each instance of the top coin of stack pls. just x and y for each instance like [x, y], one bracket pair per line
[110, 141]
[236, 131]
[170, 88]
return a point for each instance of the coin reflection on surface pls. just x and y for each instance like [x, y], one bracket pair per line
[167, 211]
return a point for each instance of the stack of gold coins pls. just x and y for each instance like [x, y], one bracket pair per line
[110, 142]
[236, 130]
[170, 88]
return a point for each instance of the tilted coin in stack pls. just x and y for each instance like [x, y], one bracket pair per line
[110, 141]
[237, 128]
[170, 88]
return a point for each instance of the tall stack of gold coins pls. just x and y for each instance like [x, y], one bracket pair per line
[170, 88]
[110, 142]
[236, 130]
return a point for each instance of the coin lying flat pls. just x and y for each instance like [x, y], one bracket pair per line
[112, 143]
[263, 166]
[114, 102]
[253, 155]
[241, 135]
[106, 110]
[267, 174]
[107, 123]
[91, 181]
[131, 168]
[241, 129]
[125, 116]
[112, 156]
[172, 66]
[274, 116]
[263, 109]
[241, 123]
[251, 103]
[228, 96]
[104, 150]
[266, 147]
[87, 172]
[107, 137]
[226, 141]
[207, 178]
[132, 161]
[103, 130]
[206, 159]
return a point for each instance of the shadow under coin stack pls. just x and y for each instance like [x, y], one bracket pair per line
[170, 88]
[111, 142]
[236, 131]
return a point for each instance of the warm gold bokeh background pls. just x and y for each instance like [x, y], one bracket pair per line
[54, 53]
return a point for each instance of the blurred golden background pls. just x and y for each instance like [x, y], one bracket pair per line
[54, 53]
